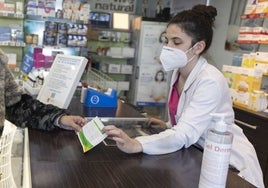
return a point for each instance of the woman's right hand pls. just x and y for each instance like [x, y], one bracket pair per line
[123, 141]
[157, 123]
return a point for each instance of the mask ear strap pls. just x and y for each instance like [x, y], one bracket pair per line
[195, 45]
[191, 48]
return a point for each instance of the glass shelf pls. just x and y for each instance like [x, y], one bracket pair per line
[12, 44]
[54, 19]
[12, 15]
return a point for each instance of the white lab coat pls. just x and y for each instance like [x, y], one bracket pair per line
[205, 91]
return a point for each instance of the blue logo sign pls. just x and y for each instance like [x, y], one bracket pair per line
[95, 99]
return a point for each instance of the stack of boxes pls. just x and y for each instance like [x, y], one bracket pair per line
[76, 11]
[44, 8]
[11, 7]
[253, 27]
[11, 34]
[63, 34]
[245, 81]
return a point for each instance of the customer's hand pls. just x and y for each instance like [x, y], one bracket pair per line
[157, 123]
[123, 141]
[72, 122]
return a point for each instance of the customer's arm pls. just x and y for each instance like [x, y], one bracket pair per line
[29, 112]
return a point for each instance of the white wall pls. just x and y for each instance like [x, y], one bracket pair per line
[217, 55]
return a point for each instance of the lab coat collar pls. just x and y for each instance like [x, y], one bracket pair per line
[198, 67]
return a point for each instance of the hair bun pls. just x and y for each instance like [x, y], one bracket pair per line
[207, 11]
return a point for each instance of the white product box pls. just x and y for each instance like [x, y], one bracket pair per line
[19, 8]
[46, 8]
[31, 10]
[115, 52]
[261, 66]
[31, 90]
[46, 12]
[33, 3]
[128, 52]
[7, 8]
[84, 12]
[12, 60]
[72, 40]
[126, 69]
[250, 9]
[113, 68]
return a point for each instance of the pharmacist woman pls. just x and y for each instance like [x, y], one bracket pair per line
[197, 90]
[24, 111]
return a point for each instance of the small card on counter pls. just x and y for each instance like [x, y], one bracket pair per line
[91, 134]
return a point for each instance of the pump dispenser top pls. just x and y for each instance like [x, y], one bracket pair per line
[220, 126]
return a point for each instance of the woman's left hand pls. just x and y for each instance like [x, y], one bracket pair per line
[123, 141]
[72, 122]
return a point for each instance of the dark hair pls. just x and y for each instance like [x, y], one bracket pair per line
[197, 23]
[155, 77]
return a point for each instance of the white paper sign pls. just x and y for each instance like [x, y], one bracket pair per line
[62, 80]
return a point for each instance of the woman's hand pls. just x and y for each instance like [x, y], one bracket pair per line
[123, 141]
[157, 123]
[72, 122]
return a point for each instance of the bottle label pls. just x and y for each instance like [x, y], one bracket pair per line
[215, 164]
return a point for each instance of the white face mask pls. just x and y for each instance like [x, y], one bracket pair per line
[173, 58]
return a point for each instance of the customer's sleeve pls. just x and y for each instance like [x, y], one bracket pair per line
[29, 112]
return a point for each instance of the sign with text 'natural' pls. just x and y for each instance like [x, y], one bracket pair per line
[124, 6]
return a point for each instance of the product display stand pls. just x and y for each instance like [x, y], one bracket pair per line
[99, 80]
[6, 140]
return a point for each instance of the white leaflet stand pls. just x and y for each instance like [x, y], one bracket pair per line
[62, 80]
[6, 140]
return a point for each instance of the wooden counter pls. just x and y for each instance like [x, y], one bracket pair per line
[57, 160]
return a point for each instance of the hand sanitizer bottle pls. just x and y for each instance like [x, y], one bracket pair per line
[216, 155]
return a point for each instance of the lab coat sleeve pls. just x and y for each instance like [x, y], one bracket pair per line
[192, 123]
[244, 158]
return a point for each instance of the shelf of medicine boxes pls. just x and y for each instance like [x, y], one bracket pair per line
[249, 28]
[100, 42]
[53, 19]
[33, 24]
[14, 45]
[116, 67]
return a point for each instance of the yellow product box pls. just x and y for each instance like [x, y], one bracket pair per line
[229, 73]
[241, 98]
[233, 94]
[261, 7]
[257, 101]
[248, 79]
[246, 58]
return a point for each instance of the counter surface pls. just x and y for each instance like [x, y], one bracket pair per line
[57, 160]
